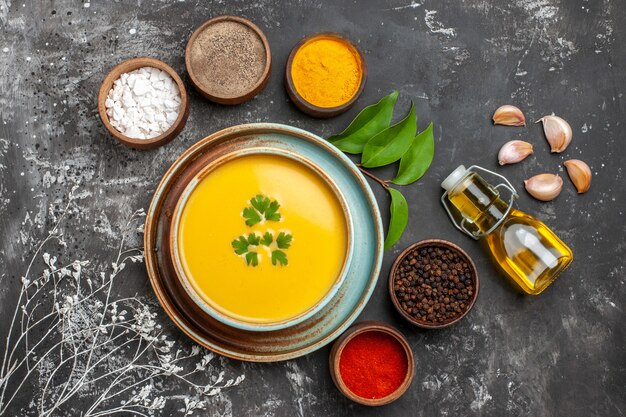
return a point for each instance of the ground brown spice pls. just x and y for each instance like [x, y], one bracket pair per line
[227, 58]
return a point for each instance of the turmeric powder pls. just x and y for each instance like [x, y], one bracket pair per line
[326, 72]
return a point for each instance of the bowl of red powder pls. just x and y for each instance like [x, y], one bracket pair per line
[372, 363]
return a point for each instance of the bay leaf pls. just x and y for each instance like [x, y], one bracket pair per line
[416, 161]
[399, 217]
[389, 145]
[368, 123]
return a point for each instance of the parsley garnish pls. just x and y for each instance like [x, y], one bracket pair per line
[272, 213]
[240, 245]
[280, 257]
[262, 208]
[251, 215]
[260, 202]
[268, 238]
[254, 239]
[252, 258]
[283, 241]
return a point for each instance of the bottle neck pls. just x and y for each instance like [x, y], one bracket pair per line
[478, 202]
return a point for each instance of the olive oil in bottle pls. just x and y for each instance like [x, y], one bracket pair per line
[524, 248]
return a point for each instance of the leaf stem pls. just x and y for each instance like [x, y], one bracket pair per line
[383, 183]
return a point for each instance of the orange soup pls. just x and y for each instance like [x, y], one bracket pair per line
[262, 238]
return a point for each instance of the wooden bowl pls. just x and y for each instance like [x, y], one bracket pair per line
[131, 65]
[234, 99]
[342, 341]
[305, 106]
[442, 244]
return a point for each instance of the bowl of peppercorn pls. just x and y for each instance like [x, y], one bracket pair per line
[433, 284]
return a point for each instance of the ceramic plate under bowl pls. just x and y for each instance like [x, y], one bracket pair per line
[318, 330]
[188, 286]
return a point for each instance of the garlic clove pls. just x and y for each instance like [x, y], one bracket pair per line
[509, 116]
[544, 187]
[580, 174]
[558, 132]
[514, 151]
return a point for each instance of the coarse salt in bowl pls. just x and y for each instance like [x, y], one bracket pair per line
[143, 103]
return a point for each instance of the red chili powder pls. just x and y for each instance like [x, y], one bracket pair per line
[373, 364]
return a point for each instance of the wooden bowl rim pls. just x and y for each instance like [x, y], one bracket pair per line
[425, 243]
[353, 331]
[131, 65]
[309, 108]
[256, 88]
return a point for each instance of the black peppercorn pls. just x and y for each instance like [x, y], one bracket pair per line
[438, 286]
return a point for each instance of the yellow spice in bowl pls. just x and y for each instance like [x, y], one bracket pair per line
[326, 72]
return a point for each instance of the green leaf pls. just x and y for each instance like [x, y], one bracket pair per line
[389, 145]
[251, 215]
[254, 239]
[417, 159]
[283, 241]
[252, 258]
[260, 202]
[399, 217]
[367, 124]
[267, 239]
[271, 214]
[240, 245]
[280, 257]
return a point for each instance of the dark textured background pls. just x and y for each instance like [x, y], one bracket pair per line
[562, 353]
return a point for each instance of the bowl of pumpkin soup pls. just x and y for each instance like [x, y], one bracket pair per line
[261, 239]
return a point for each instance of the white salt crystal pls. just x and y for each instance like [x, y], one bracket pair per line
[170, 104]
[171, 117]
[133, 132]
[118, 113]
[131, 79]
[128, 101]
[154, 74]
[141, 87]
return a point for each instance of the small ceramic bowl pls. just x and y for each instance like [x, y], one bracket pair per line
[311, 109]
[340, 344]
[215, 96]
[445, 245]
[214, 312]
[131, 65]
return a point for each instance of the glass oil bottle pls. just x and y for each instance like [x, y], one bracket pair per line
[524, 248]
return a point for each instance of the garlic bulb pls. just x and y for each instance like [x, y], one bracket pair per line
[514, 151]
[544, 187]
[509, 116]
[558, 132]
[580, 174]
